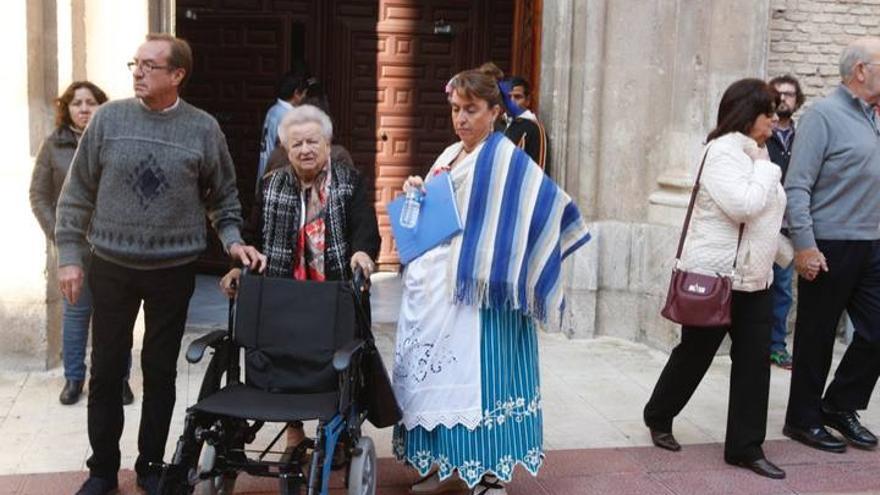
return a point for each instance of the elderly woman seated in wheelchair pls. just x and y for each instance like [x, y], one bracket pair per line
[304, 329]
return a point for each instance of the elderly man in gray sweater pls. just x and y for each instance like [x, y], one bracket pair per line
[833, 188]
[132, 210]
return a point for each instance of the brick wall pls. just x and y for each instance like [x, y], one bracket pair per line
[807, 36]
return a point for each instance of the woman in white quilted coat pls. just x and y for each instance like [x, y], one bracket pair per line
[739, 187]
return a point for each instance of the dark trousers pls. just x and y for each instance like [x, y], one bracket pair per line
[852, 283]
[118, 292]
[751, 322]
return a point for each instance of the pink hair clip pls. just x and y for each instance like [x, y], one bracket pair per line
[449, 86]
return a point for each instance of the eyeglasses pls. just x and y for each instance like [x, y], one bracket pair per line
[787, 94]
[145, 67]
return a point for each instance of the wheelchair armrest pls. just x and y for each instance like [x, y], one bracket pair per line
[342, 357]
[196, 349]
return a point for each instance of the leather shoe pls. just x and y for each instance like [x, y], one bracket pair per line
[665, 440]
[127, 394]
[97, 486]
[762, 467]
[149, 483]
[71, 392]
[847, 424]
[817, 437]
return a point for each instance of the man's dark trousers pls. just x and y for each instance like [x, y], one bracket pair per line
[852, 283]
[118, 292]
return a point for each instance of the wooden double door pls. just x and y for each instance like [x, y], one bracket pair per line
[384, 64]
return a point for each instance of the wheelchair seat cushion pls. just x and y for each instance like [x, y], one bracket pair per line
[242, 401]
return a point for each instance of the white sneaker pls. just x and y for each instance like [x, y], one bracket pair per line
[431, 484]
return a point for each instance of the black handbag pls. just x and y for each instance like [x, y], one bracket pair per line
[376, 394]
[696, 299]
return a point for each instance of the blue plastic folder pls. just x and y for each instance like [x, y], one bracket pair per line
[439, 220]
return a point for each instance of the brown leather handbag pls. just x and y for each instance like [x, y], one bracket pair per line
[694, 299]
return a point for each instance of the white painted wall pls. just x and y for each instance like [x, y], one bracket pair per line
[114, 30]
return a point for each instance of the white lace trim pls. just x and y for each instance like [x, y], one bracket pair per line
[468, 419]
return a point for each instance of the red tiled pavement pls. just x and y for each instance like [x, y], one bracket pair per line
[697, 469]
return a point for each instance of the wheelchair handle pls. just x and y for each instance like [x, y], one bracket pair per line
[359, 280]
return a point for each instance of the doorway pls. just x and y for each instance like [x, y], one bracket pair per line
[383, 63]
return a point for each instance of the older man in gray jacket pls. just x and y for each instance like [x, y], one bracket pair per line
[834, 215]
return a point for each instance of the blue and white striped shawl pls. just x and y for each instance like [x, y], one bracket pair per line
[519, 226]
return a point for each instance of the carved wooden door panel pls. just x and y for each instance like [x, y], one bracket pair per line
[399, 116]
[234, 78]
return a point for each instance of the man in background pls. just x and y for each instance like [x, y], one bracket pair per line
[779, 146]
[292, 89]
[523, 127]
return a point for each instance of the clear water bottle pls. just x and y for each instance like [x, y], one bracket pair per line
[409, 216]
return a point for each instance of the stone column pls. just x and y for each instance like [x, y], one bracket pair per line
[571, 80]
[630, 91]
[711, 52]
[29, 336]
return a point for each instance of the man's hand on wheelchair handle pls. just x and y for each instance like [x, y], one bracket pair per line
[248, 256]
[229, 282]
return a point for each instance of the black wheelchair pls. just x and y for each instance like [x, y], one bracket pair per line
[303, 346]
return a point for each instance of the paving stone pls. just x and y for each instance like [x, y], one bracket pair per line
[733, 482]
[579, 463]
[604, 484]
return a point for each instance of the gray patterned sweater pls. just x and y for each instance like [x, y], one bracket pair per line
[140, 185]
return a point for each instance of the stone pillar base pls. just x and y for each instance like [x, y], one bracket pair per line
[668, 205]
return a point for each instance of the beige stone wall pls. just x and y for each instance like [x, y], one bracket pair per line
[807, 36]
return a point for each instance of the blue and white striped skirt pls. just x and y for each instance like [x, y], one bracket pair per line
[511, 431]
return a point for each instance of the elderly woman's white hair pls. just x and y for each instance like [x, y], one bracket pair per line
[303, 114]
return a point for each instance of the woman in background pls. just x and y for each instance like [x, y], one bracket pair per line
[73, 110]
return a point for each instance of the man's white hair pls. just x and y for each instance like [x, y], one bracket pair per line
[851, 55]
[303, 114]
[860, 50]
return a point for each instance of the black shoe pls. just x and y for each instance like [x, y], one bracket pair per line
[847, 424]
[97, 486]
[762, 467]
[665, 440]
[71, 392]
[817, 437]
[127, 394]
[149, 483]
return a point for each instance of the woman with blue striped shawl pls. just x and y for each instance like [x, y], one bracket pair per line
[466, 360]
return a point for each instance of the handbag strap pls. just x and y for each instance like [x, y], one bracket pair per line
[690, 211]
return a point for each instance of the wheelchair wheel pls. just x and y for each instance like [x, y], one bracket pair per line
[362, 470]
[223, 484]
[290, 486]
